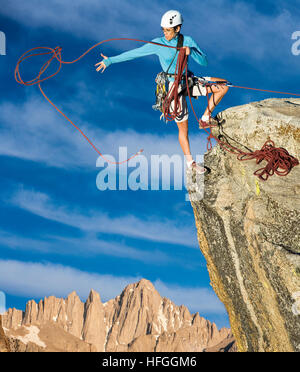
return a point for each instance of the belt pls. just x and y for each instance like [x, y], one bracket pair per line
[190, 74]
[182, 79]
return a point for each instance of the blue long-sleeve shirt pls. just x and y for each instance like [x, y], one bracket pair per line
[164, 54]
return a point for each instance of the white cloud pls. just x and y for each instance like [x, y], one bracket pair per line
[31, 279]
[223, 27]
[33, 130]
[96, 19]
[2, 302]
[150, 228]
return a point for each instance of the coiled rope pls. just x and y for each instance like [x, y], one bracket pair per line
[56, 54]
[173, 96]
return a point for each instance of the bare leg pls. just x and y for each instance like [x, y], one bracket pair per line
[183, 138]
[218, 92]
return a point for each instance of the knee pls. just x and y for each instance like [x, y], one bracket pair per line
[225, 88]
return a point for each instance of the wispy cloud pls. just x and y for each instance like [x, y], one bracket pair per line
[195, 298]
[150, 228]
[34, 279]
[95, 19]
[85, 246]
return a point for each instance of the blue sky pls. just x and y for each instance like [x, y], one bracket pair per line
[58, 231]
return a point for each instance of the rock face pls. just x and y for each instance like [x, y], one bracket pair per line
[248, 229]
[4, 342]
[137, 320]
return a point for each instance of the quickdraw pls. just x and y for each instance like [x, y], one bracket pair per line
[161, 90]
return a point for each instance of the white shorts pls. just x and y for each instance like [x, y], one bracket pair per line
[198, 90]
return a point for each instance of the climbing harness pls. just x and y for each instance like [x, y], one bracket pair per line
[277, 158]
[162, 87]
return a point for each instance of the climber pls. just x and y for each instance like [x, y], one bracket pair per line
[171, 23]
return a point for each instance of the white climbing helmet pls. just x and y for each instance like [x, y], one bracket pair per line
[171, 18]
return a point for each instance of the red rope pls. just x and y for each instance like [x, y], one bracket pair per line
[277, 158]
[56, 54]
[172, 95]
[265, 90]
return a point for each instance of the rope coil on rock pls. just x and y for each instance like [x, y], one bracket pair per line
[276, 157]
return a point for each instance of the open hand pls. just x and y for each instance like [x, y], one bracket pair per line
[101, 64]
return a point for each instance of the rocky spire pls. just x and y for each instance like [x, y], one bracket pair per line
[94, 331]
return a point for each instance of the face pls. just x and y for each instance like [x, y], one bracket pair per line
[170, 32]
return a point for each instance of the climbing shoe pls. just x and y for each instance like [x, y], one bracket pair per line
[208, 124]
[198, 168]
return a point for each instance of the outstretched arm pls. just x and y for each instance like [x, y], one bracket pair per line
[144, 50]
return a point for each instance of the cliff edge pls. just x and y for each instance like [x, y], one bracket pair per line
[248, 229]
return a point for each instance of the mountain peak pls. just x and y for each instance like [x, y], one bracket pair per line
[72, 295]
[94, 296]
[137, 320]
[145, 284]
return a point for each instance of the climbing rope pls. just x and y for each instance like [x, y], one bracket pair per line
[266, 90]
[277, 158]
[56, 54]
[173, 95]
